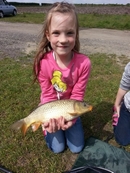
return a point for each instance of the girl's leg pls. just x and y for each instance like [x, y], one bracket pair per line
[75, 137]
[122, 130]
[56, 141]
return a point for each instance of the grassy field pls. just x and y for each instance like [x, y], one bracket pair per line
[121, 22]
[19, 96]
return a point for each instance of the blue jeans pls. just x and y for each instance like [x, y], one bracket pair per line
[72, 137]
[122, 130]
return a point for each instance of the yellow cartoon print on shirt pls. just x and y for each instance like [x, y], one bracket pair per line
[57, 82]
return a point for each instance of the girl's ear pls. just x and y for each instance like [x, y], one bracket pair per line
[47, 35]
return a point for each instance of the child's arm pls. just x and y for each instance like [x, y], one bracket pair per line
[123, 88]
[119, 98]
[79, 88]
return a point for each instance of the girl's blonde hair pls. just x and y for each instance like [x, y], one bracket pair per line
[44, 46]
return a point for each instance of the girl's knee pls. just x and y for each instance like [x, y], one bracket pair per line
[55, 142]
[58, 149]
[75, 149]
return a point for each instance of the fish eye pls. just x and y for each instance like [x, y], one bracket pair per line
[85, 104]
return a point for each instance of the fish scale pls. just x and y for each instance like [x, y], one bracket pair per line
[52, 111]
[69, 109]
[64, 110]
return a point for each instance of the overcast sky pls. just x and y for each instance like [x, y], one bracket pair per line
[76, 1]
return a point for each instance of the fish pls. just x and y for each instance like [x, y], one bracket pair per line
[68, 108]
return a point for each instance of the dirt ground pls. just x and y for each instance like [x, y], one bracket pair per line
[17, 39]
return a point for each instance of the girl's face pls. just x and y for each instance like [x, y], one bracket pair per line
[62, 33]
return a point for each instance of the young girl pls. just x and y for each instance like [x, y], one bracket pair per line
[62, 73]
[121, 116]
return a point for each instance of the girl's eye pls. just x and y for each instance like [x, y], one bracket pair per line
[55, 33]
[70, 33]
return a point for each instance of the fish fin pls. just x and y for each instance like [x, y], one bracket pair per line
[73, 114]
[24, 129]
[17, 125]
[35, 126]
[20, 125]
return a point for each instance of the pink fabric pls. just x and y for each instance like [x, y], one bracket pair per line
[68, 83]
[44, 132]
[74, 120]
[115, 119]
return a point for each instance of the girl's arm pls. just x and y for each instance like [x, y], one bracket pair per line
[119, 98]
[79, 88]
[123, 89]
[47, 92]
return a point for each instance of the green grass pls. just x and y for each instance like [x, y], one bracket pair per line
[104, 21]
[36, 18]
[121, 22]
[19, 96]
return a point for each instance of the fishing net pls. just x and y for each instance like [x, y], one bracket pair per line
[101, 157]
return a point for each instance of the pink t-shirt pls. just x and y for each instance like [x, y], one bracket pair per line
[68, 83]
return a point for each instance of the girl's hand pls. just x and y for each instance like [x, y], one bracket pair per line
[116, 110]
[52, 126]
[64, 125]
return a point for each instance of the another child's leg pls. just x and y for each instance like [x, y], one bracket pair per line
[75, 137]
[122, 130]
[56, 141]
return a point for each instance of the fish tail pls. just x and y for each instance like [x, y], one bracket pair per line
[20, 125]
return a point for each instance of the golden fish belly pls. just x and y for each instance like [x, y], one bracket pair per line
[51, 110]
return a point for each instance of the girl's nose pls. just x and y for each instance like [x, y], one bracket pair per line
[63, 38]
